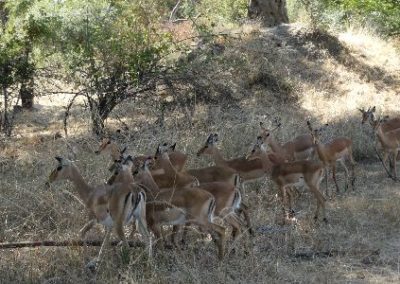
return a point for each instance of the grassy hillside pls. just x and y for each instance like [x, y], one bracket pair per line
[288, 72]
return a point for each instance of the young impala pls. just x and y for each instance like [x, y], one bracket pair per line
[112, 206]
[289, 174]
[300, 148]
[338, 150]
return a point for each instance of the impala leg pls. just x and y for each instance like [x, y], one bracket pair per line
[320, 202]
[244, 209]
[219, 238]
[326, 182]
[290, 196]
[233, 220]
[346, 173]
[89, 225]
[334, 177]
[94, 264]
[352, 166]
[394, 163]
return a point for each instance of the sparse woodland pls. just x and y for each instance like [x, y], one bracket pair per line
[222, 117]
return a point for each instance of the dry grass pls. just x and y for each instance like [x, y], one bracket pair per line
[286, 71]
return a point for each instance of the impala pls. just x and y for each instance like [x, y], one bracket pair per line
[248, 170]
[385, 125]
[178, 159]
[288, 174]
[112, 206]
[389, 140]
[300, 148]
[338, 150]
[190, 206]
[388, 125]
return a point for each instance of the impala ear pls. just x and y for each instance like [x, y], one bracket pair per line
[59, 159]
[172, 147]
[210, 139]
[123, 150]
[215, 137]
[361, 110]
[309, 125]
[373, 109]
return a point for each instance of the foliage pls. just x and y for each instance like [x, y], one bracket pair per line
[108, 49]
[384, 15]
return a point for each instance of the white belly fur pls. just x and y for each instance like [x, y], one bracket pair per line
[107, 222]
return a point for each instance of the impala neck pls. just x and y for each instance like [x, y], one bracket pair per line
[217, 157]
[115, 152]
[144, 177]
[321, 151]
[166, 164]
[84, 190]
[381, 136]
[125, 176]
[266, 162]
[275, 146]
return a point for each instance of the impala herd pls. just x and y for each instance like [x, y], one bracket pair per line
[150, 192]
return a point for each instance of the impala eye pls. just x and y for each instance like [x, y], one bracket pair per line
[59, 168]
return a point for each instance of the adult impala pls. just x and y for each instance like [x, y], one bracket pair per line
[390, 142]
[248, 170]
[337, 150]
[300, 148]
[178, 158]
[190, 206]
[289, 174]
[112, 206]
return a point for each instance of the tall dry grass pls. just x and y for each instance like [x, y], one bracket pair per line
[288, 72]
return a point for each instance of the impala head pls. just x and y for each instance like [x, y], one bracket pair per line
[108, 145]
[207, 148]
[162, 150]
[105, 145]
[142, 165]
[258, 148]
[315, 133]
[367, 114]
[265, 132]
[121, 167]
[61, 172]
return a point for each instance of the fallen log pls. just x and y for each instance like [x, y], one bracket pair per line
[67, 243]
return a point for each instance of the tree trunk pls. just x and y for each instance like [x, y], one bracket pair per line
[26, 94]
[26, 91]
[271, 12]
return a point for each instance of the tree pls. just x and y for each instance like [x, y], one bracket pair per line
[272, 12]
[110, 50]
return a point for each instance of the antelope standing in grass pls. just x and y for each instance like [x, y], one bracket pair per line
[191, 206]
[288, 174]
[337, 150]
[112, 206]
[390, 142]
[386, 125]
[210, 177]
[300, 148]
[248, 170]
[227, 196]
